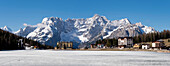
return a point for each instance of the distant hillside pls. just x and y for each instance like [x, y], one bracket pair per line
[9, 41]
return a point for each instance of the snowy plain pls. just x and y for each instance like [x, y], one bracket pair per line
[83, 58]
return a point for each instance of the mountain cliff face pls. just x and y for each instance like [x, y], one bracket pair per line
[54, 29]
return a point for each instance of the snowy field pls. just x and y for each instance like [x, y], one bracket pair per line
[83, 58]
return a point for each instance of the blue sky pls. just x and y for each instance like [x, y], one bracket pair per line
[154, 13]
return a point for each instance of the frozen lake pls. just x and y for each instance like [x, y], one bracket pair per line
[83, 58]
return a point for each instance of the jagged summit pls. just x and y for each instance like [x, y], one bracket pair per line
[125, 20]
[96, 16]
[6, 28]
[51, 20]
[139, 24]
[54, 29]
[19, 31]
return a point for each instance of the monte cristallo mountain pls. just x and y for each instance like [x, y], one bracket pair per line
[54, 29]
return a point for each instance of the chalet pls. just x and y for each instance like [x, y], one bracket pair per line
[136, 46]
[64, 45]
[125, 42]
[55, 48]
[93, 46]
[28, 46]
[100, 45]
[145, 46]
[158, 45]
[20, 43]
[35, 47]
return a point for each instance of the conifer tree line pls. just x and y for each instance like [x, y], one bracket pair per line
[150, 37]
[108, 42]
[9, 41]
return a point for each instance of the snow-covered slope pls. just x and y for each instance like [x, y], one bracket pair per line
[146, 29]
[6, 28]
[24, 32]
[54, 29]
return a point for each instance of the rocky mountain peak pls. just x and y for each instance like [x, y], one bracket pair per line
[139, 24]
[51, 20]
[6, 28]
[96, 16]
[125, 20]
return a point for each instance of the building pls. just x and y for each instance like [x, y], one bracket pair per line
[20, 44]
[93, 46]
[145, 46]
[125, 42]
[136, 46]
[100, 45]
[168, 48]
[28, 46]
[158, 45]
[64, 45]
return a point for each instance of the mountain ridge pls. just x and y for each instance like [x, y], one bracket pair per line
[54, 29]
[6, 28]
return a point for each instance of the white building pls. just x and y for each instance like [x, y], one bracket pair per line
[145, 46]
[158, 45]
[125, 42]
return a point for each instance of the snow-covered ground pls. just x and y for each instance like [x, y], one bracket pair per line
[82, 58]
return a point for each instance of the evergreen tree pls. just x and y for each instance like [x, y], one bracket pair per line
[108, 43]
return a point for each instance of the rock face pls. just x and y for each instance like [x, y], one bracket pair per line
[54, 29]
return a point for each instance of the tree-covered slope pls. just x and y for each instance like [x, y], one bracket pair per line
[9, 41]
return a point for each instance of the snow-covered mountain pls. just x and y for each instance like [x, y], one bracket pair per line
[6, 28]
[146, 29]
[54, 29]
[24, 32]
